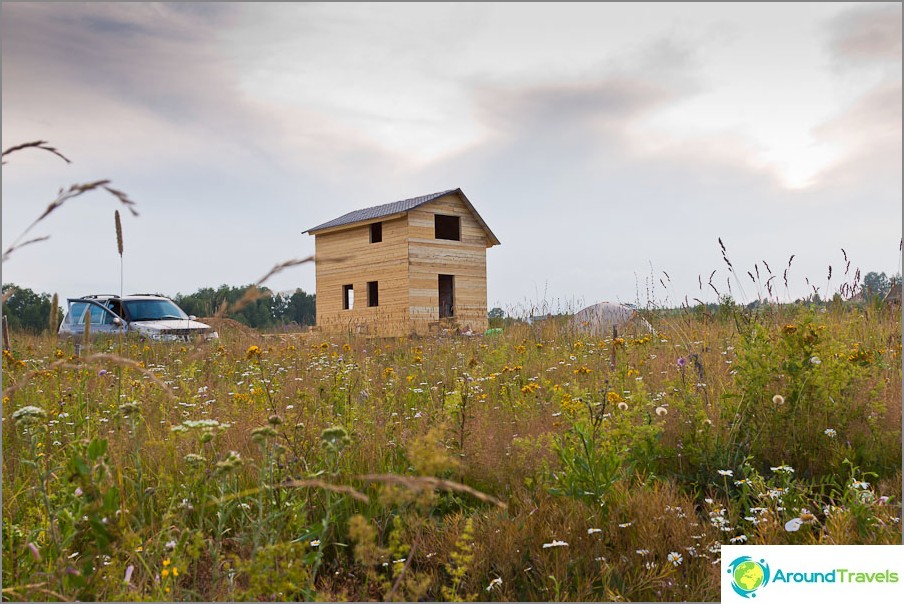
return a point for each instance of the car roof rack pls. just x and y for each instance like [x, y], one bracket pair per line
[95, 296]
[157, 295]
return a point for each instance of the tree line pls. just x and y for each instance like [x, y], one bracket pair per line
[28, 311]
[267, 311]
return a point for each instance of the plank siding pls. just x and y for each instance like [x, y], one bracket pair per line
[347, 257]
[429, 257]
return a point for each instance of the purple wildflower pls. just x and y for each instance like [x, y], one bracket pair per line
[682, 362]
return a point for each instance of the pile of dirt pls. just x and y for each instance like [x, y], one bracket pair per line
[229, 327]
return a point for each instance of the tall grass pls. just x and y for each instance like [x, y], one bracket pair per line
[520, 466]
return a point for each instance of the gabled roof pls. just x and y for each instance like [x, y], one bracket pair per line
[399, 207]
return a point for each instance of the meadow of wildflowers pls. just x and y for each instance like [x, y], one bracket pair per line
[537, 464]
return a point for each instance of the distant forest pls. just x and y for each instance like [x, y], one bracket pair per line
[29, 311]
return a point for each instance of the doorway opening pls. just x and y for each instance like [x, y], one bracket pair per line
[446, 296]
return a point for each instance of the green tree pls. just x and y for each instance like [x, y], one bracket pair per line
[876, 285]
[301, 308]
[27, 311]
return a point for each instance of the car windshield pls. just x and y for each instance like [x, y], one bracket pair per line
[152, 310]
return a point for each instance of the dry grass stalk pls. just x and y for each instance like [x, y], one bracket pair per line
[86, 337]
[36, 145]
[253, 292]
[18, 590]
[320, 484]
[429, 483]
[54, 313]
[62, 197]
[118, 232]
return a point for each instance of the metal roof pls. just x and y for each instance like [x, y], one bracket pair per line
[398, 207]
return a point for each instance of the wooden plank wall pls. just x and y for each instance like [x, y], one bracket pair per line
[347, 257]
[429, 257]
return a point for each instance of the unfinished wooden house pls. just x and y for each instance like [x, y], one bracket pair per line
[408, 267]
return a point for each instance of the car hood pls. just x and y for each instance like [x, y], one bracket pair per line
[167, 324]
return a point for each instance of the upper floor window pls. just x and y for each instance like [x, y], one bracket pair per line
[448, 227]
[376, 232]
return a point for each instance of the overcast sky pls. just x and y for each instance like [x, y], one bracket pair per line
[607, 145]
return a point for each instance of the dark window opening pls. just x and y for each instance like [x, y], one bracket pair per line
[448, 227]
[348, 297]
[446, 296]
[376, 232]
[373, 294]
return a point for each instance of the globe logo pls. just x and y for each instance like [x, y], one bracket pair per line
[748, 575]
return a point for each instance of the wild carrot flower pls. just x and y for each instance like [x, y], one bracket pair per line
[660, 411]
[778, 399]
[623, 406]
[555, 543]
[28, 415]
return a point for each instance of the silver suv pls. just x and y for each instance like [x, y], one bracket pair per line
[149, 316]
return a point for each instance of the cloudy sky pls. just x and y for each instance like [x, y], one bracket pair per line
[609, 146]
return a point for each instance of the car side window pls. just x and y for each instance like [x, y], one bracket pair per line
[77, 313]
[99, 315]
